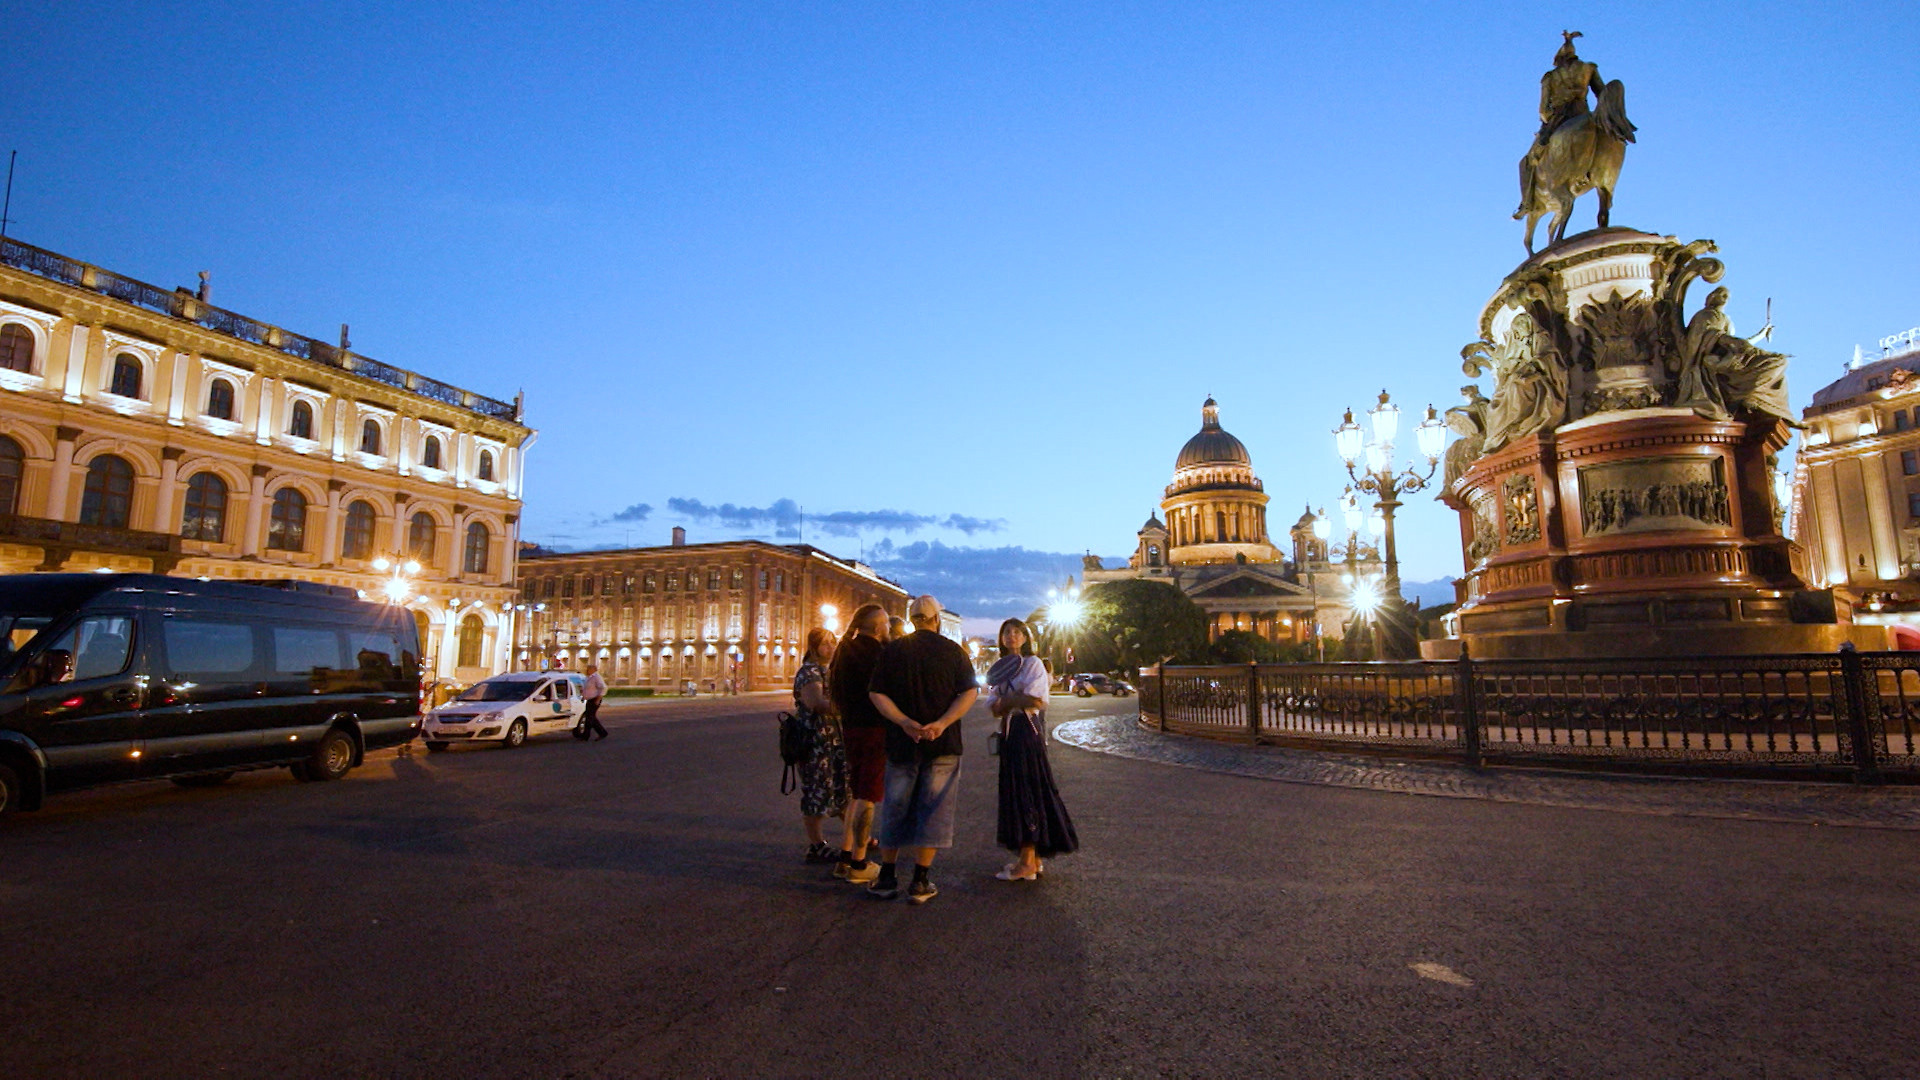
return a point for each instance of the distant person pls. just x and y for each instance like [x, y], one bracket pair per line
[924, 684]
[1033, 820]
[865, 733]
[595, 689]
[823, 773]
[897, 628]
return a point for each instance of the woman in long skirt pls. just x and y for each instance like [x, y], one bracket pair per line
[823, 775]
[1033, 821]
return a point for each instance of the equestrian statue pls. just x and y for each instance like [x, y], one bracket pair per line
[1578, 149]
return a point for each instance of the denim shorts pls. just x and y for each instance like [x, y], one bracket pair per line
[919, 806]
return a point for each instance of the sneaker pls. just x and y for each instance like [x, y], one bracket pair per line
[922, 891]
[821, 853]
[862, 876]
[840, 868]
[884, 890]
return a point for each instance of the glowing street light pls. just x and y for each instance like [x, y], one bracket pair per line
[1378, 477]
[830, 617]
[398, 587]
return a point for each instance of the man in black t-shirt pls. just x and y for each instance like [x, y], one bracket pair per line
[864, 731]
[923, 684]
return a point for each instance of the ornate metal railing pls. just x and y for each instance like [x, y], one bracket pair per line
[183, 305]
[1843, 713]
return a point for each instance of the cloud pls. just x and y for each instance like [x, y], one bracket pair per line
[785, 518]
[971, 525]
[632, 515]
[981, 582]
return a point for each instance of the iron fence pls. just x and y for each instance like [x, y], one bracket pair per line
[1839, 714]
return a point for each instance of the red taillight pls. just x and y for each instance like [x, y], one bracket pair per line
[73, 703]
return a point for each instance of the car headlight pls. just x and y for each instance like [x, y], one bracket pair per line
[486, 717]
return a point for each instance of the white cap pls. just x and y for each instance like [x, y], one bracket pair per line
[924, 607]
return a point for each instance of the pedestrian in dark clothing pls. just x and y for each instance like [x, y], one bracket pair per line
[1033, 821]
[595, 689]
[924, 684]
[864, 731]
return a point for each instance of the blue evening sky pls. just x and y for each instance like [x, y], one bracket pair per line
[941, 284]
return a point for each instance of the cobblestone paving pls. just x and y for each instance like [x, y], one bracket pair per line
[1880, 807]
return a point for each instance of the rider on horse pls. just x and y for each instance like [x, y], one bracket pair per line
[1563, 100]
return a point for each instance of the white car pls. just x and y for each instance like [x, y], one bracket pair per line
[508, 709]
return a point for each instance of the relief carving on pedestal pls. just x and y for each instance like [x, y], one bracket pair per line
[1523, 509]
[1486, 538]
[1653, 495]
[1618, 341]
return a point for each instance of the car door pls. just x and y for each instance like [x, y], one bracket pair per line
[564, 699]
[89, 712]
[210, 680]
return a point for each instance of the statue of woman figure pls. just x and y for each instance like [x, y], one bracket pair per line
[1468, 421]
[1530, 385]
[1721, 373]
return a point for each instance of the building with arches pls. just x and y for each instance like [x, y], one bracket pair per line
[1209, 539]
[143, 429]
[660, 617]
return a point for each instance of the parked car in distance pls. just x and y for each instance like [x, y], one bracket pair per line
[508, 709]
[107, 678]
[1087, 685]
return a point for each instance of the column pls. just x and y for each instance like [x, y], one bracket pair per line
[256, 512]
[462, 453]
[405, 430]
[398, 544]
[178, 364]
[266, 410]
[57, 502]
[337, 410]
[163, 515]
[330, 525]
[76, 380]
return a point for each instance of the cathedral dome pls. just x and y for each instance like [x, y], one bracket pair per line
[1213, 445]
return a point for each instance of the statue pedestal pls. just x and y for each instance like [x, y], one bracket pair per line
[1628, 527]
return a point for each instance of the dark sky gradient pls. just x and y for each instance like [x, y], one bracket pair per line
[941, 274]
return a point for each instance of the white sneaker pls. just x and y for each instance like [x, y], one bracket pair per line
[857, 876]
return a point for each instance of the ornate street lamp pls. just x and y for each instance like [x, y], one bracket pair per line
[1378, 477]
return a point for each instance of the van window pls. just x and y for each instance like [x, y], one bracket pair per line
[201, 648]
[565, 688]
[100, 645]
[300, 650]
[545, 694]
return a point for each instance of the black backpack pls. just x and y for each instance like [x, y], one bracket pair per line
[793, 750]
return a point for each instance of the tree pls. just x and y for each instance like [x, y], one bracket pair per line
[1125, 625]
[1244, 646]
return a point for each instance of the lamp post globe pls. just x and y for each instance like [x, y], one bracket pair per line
[1377, 476]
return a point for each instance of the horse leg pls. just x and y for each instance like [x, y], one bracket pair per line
[1606, 204]
[1533, 218]
[1562, 210]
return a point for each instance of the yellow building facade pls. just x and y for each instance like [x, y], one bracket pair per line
[143, 429]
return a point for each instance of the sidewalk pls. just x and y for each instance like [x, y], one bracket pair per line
[1838, 804]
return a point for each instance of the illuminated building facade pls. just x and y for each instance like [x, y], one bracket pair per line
[144, 429]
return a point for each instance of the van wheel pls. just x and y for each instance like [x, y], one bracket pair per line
[12, 794]
[435, 747]
[516, 735]
[332, 758]
[212, 779]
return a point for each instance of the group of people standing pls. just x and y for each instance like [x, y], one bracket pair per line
[882, 707]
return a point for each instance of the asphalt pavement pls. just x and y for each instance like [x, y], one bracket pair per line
[637, 907]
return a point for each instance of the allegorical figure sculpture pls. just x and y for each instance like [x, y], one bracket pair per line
[1529, 383]
[1578, 149]
[1468, 421]
[1720, 373]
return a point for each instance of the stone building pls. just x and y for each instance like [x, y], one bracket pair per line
[143, 429]
[662, 616]
[1213, 545]
[1856, 484]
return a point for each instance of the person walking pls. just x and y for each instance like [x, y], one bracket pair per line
[823, 773]
[923, 684]
[864, 731]
[1033, 821]
[595, 689]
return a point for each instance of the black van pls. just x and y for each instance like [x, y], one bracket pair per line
[112, 677]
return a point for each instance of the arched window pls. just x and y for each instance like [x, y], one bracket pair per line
[430, 453]
[425, 627]
[12, 463]
[301, 425]
[1153, 554]
[370, 437]
[473, 634]
[108, 499]
[126, 375]
[220, 399]
[287, 529]
[477, 537]
[205, 515]
[357, 541]
[16, 347]
[1219, 526]
[420, 532]
[486, 464]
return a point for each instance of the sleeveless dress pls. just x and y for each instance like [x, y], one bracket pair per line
[823, 776]
[1031, 813]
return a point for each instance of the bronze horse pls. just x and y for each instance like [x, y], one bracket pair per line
[1583, 154]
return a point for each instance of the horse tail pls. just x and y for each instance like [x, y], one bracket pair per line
[1611, 112]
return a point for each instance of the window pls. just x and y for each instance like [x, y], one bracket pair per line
[205, 516]
[547, 592]
[626, 586]
[1900, 422]
[126, 375]
[430, 453]
[199, 649]
[12, 463]
[1913, 504]
[472, 636]
[763, 581]
[357, 541]
[476, 562]
[420, 533]
[738, 578]
[16, 347]
[287, 529]
[220, 400]
[713, 581]
[99, 646]
[673, 581]
[370, 437]
[305, 650]
[780, 581]
[486, 464]
[301, 426]
[1910, 462]
[606, 585]
[108, 499]
[648, 581]
[566, 587]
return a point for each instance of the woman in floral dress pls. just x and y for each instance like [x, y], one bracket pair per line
[823, 775]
